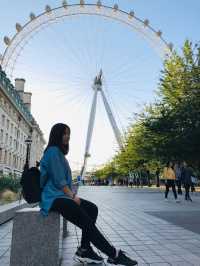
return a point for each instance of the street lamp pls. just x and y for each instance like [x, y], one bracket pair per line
[28, 142]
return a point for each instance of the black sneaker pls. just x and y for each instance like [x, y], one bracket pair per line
[122, 259]
[87, 256]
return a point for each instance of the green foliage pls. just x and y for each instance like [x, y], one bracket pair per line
[178, 115]
[169, 129]
[107, 171]
[8, 182]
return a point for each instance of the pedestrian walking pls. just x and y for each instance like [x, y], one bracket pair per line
[194, 182]
[178, 170]
[169, 176]
[131, 182]
[158, 177]
[148, 177]
[187, 174]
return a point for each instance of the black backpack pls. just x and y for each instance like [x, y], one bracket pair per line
[30, 182]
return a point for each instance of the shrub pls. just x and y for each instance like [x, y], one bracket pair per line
[8, 196]
[9, 183]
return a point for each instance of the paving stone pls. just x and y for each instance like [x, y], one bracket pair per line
[5, 261]
[152, 259]
[183, 263]
[159, 264]
[123, 218]
[3, 250]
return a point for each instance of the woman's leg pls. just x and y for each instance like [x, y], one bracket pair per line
[179, 187]
[174, 189]
[189, 192]
[76, 215]
[166, 189]
[186, 192]
[92, 211]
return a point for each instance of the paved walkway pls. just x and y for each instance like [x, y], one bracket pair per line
[5, 243]
[124, 219]
[139, 222]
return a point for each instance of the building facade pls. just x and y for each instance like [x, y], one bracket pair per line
[16, 126]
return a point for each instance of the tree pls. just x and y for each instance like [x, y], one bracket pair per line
[168, 129]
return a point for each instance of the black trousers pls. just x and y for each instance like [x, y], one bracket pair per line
[168, 184]
[84, 216]
[179, 183]
[187, 191]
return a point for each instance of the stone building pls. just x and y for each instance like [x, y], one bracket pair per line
[16, 126]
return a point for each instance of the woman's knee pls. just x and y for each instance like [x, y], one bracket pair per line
[89, 226]
[90, 208]
[86, 222]
[94, 211]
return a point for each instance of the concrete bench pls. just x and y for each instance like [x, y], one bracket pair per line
[7, 211]
[37, 240]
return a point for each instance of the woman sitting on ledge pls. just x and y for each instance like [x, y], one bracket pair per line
[57, 196]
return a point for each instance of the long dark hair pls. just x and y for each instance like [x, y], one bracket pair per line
[168, 164]
[56, 136]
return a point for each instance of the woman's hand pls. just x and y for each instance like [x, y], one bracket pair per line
[77, 200]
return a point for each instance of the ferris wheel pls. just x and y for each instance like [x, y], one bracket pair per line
[16, 45]
[24, 33]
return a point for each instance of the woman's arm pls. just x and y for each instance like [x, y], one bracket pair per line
[72, 195]
[68, 192]
[165, 172]
[57, 171]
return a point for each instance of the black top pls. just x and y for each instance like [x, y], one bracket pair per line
[187, 173]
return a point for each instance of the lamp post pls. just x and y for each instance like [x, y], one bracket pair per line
[28, 142]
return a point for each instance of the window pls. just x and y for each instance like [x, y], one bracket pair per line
[14, 160]
[1, 136]
[17, 161]
[20, 163]
[15, 132]
[6, 141]
[10, 143]
[1, 101]
[11, 130]
[9, 162]
[5, 157]
[0, 155]
[7, 124]
[18, 134]
[3, 120]
[15, 144]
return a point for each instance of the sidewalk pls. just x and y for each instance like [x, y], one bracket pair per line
[124, 219]
[129, 218]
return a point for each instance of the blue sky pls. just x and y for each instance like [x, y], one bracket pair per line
[59, 65]
[178, 19]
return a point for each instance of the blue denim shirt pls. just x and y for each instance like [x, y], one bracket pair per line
[54, 168]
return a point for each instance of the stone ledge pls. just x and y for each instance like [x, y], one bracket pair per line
[36, 238]
[7, 211]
